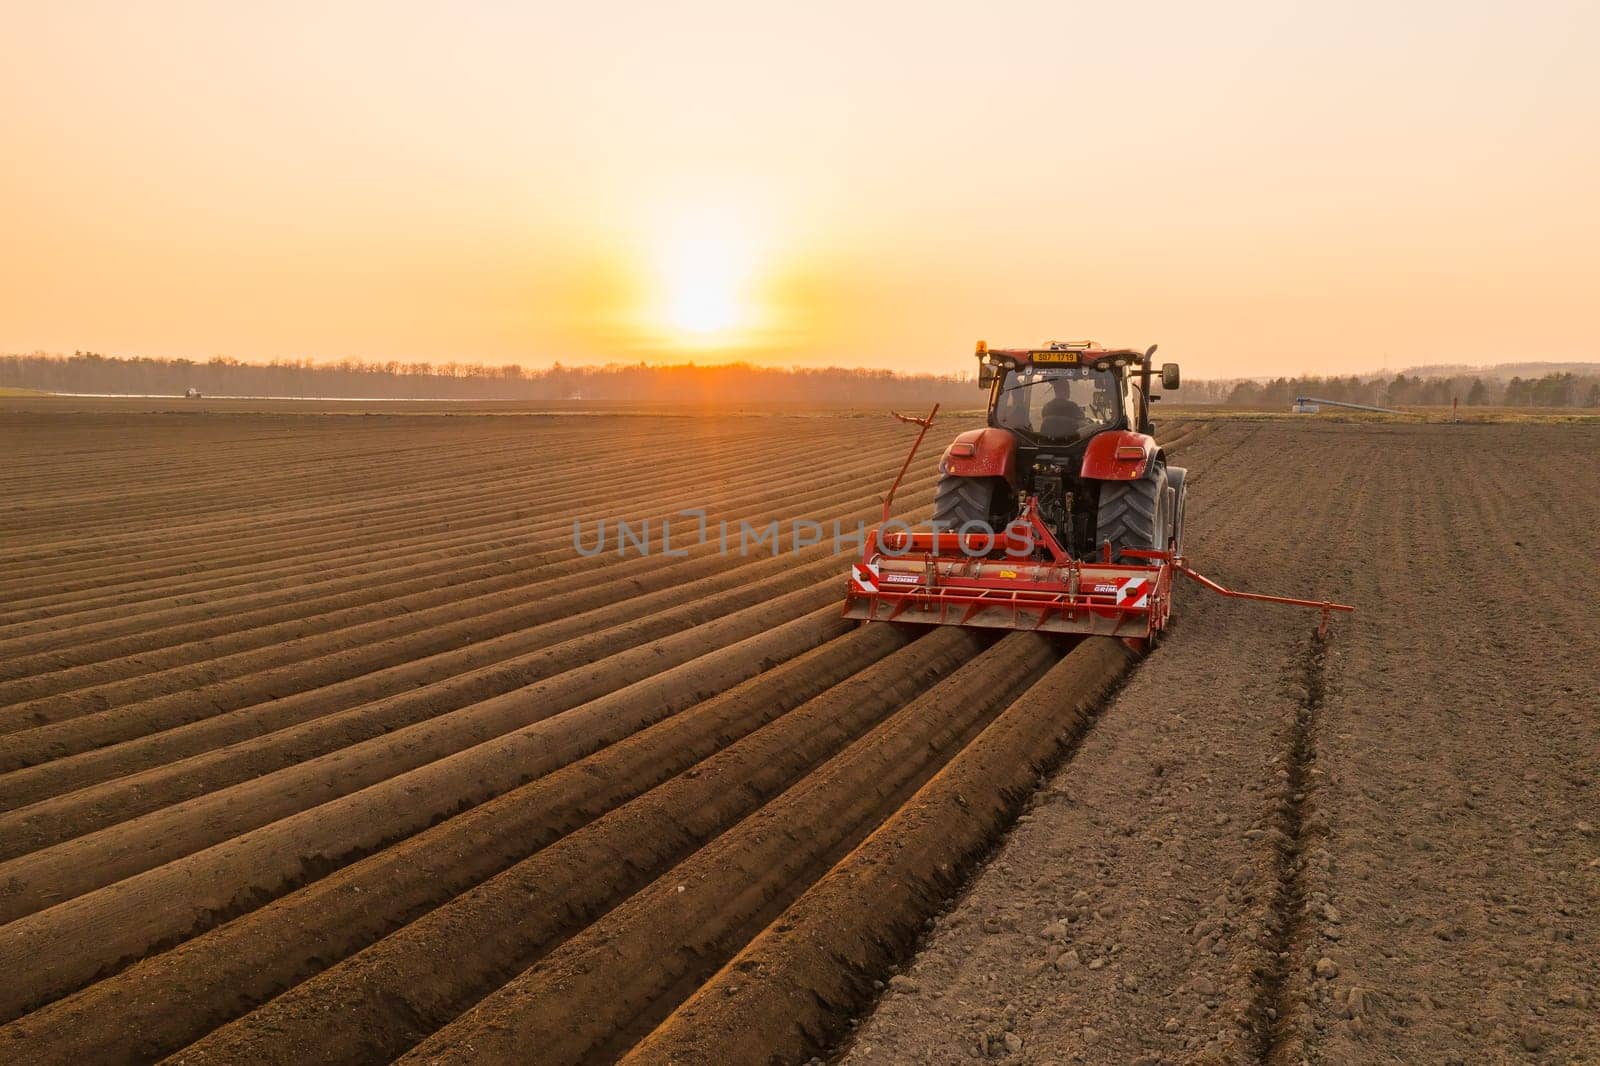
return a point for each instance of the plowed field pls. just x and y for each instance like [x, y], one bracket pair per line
[323, 739]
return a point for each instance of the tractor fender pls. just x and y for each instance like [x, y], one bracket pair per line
[1119, 455]
[987, 452]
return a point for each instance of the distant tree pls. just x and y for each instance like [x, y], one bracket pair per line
[1395, 391]
[1555, 390]
[1478, 394]
[1592, 399]
[1245, 394]
[89, 372]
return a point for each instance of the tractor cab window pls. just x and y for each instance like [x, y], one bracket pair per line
[1058, 403]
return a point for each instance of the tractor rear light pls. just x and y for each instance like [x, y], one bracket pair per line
[966, 451]
[1130, 451]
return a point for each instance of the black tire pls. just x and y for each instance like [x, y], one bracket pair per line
[959, 500]
[1177, 479]
[1134, 514]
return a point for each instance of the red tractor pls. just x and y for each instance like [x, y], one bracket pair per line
[1069, 426]
[1061, 515]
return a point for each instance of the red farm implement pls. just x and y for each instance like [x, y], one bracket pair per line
[1020, 575]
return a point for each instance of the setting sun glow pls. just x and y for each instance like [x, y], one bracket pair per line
[703, 287]
[1255, 185]
[705, 271]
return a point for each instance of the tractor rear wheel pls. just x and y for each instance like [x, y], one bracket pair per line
[960, 500]
[1135, 514]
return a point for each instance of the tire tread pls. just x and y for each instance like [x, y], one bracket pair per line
[1129, 510]
[958, 500]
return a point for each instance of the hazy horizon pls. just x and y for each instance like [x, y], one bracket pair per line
[1261, 190]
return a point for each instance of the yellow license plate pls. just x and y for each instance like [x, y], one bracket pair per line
[1055, 357]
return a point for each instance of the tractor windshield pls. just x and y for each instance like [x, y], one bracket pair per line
[1058, 403]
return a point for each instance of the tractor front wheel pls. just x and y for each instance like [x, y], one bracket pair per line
[1135, 514]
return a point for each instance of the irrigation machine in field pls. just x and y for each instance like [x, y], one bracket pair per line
[1060, 515]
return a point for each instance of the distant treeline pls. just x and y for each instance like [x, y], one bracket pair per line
[1563, 389]
[734, 383]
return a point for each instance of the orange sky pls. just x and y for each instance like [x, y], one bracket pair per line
[1258, 187]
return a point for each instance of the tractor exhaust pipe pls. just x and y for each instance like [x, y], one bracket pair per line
[1146, 426]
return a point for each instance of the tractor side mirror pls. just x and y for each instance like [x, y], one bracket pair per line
[1169, 375]
[986, 372]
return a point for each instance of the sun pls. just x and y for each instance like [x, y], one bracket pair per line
[706, 272]
[703, 287]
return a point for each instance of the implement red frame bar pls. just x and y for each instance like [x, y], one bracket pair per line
[1326, 606]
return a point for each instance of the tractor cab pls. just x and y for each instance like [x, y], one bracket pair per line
[1065, 392]
[1069, 436]
[1058, 404]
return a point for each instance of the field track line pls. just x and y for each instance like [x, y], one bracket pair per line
[88, 936]
[276, 508]
[479, 542]
[378, 520]
[404, 660]
[295, 739]
[393, 993]
[52, 698]
[650, 646]
[592, 991]
[792, 990]
[177, 554]
[245, 625]
[172, 998]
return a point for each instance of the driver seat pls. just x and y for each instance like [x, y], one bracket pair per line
[1061, 419]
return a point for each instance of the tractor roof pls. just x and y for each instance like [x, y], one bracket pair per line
[1081, 353]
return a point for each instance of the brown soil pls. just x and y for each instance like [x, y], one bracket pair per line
[318, 742]
[1381, 850]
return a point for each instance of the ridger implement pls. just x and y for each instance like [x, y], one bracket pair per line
[1061, 516]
